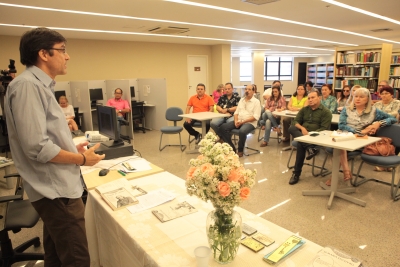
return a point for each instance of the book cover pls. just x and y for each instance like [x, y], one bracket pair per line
[263, 239]
[119, 198]
[298, 245]
[252, 244]
[283, 249]
[167, 213]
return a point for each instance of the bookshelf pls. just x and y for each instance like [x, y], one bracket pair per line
[394, 72]
[363, 65]
[320, 73]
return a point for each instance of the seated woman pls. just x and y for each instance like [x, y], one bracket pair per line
[218, 92]
[328, 100]
[388, 105]
[68, 112]
[275, 102]
[360, 117]
[297, 101]
[344, 96]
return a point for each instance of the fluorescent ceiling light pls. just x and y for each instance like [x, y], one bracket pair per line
[277, 19]
[362, 11]
[169, 21]
[161, 35]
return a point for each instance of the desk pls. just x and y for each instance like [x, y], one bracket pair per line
[144, 120]
[121, 239]
[203, 117]
[93, 179]
[324, 139]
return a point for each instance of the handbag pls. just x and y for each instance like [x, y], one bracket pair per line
[382, 147]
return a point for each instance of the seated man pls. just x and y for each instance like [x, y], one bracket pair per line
[314, 117]
[227, 104]
[245, 119]
[121, 106]
[201, 102]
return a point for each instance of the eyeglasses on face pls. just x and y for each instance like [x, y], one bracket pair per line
[63, 50]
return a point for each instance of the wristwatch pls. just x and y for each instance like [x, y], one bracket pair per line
[119, 111]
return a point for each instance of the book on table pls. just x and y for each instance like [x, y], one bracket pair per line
[120, 193]
[285, 249]
[170, 212]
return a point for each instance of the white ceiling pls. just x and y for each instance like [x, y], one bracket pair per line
[315, 12]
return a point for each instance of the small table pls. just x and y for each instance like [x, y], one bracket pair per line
[203, 117]
[325, 139]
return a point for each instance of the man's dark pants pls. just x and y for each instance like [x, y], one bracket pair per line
[301, 150]
[191, 131]
[64, 233]
[244, 130]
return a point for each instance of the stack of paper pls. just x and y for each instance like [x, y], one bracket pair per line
[332, 257]
[289, 246]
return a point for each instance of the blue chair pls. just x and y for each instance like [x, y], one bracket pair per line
[172, 115]
[393, 162]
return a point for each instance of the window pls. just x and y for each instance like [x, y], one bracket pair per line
[245, 69]
[278, 68]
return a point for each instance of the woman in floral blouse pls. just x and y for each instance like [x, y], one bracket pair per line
[275, 102]
[328, 100]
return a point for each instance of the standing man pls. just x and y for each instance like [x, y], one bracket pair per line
[245, 119]
[201, 102]
[121, 107]
[43, 151]
[314, 117]
[227, 104]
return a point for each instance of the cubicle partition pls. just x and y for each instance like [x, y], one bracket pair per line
[64, 86]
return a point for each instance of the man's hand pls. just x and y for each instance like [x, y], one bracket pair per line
[304, 131]
[238, 124]
[188, 120]
[91, 157]
[81, 147]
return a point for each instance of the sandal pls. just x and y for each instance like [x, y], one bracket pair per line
[328, 182]
[347, 175]
[379, 169]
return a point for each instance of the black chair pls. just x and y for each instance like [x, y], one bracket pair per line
[19, 214]
[78, 118]
[138, 116]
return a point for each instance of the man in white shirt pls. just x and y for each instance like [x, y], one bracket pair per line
[267, 93]
[245, 119]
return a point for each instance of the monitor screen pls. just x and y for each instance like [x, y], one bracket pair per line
[108, 125]
[132, 91]
[96, 94]
[57, 94]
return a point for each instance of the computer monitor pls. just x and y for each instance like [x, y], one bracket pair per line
[57, 94]
[96, 94]
[108, 125]
[132, 91]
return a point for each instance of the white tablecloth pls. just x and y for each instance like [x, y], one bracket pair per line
[119, 238]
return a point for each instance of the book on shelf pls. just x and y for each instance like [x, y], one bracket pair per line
[120, 193]
[329, 256]
[395, 59]
[170, 212]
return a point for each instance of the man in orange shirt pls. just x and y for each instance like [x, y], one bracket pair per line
[201, 102]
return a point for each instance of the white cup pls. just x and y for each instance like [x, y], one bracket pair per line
[202, 256]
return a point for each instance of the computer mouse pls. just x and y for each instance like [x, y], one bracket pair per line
[103, 172]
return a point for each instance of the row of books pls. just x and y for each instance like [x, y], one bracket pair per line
[395, 60]
[365, 71]
[362, 57]
[395, 71]
[395, 83]
[370, 84]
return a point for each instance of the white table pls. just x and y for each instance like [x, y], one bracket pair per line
[324, 139]
[121, 239]
[203, 117]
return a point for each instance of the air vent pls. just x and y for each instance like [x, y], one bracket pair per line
[382, 30]
[259, 2]
[168, 30]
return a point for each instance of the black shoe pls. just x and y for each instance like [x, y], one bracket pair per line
[294, 179]
[198, 139]
[312, 152]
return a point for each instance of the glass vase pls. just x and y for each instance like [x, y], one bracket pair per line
[224, 232]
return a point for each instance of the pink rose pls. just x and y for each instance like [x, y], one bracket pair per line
[207, 167]
[234, 176]
[200, 157]
[189, 174]
[244, 193]
[224, 189]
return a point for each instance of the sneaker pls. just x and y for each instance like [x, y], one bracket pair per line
[198, 139]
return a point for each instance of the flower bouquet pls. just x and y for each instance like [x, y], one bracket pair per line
[218, 176]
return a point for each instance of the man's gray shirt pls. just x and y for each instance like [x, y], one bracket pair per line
[37, 131]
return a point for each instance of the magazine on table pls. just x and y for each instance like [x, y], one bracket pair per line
[329, 256]
[170, 212]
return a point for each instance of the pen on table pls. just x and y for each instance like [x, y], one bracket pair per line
[121, 172]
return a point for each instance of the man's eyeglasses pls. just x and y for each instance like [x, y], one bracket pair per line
[63, 50]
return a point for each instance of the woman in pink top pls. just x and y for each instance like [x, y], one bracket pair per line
[275, 103]
[218, 93]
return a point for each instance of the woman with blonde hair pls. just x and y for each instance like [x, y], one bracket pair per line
[218, 93]
[68, 112]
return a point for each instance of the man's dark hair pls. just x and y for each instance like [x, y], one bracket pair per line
[118, 89]
[277, 81]
[35, 40]
[315, 91]
[230, 84]
[309, 83]
[201, 84]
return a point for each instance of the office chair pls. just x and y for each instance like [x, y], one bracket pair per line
[138, 115]
[172, 115]
[19, 214]
[393, 162]
[4, 145]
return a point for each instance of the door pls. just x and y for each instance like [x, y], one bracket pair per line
[197, 73]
